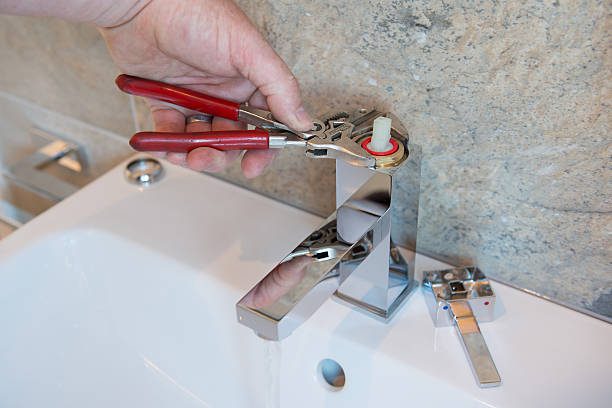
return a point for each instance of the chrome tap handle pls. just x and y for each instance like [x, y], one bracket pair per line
[462, 297]
[474, 345]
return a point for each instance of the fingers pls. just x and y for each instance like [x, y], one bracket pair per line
[210, 160]
[206, 158]
[255, 162]
[199, 125]
[181, 158]
[269, 73]
[167, 119]
[258, 100]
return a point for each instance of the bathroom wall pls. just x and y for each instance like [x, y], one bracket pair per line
[58, 77]
[509, 101]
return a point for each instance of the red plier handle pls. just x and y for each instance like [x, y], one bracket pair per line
[197, 101]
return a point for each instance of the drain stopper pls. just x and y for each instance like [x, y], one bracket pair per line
[143, 171]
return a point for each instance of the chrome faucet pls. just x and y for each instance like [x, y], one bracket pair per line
[351, 255]
[29, 170]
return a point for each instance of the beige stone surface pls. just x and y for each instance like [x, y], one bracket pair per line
[26, 127]
[509, 101]
[64, 67]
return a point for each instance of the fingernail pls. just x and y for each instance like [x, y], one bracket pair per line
[303, 119]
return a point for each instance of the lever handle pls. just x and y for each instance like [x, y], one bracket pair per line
[474, 344]
[178, 96]
[186, 142]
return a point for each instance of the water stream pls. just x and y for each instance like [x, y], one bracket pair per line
[272, 367]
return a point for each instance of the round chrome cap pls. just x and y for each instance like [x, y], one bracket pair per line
[144, 171]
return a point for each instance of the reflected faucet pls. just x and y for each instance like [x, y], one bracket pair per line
[351, 255]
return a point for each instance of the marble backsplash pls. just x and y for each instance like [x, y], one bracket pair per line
[509, 102]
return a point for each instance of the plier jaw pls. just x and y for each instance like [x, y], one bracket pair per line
[347, 135]
[336, 143]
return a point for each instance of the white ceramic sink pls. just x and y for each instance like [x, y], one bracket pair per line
[124, 297]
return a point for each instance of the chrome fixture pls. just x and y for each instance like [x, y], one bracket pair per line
[13, 216]
[463, 297]
[29, 187]
[144, 171]
[30, 173]
[351, 255]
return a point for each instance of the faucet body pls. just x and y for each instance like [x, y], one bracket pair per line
[351, 255]
[383, 278]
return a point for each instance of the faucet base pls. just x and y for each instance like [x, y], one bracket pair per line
[401, 284]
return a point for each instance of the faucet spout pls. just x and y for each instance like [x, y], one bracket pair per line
[318, 266]
[299, 285]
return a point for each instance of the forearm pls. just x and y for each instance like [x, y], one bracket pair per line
[104, 13]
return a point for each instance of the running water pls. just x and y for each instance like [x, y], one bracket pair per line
[272, 366]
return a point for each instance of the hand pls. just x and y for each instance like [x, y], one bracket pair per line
[209, 46]
[282, 279]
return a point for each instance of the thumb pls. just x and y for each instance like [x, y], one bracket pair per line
[272, 77]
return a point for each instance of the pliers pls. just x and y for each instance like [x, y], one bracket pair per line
[338, 135]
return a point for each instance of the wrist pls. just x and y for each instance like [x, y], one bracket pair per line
[103, 13]
[115, 13]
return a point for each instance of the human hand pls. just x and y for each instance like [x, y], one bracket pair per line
[280, 281]
[212, 47]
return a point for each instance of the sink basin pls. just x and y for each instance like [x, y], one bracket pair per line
[124, 296]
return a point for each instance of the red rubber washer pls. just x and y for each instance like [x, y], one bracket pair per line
[393, 149]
